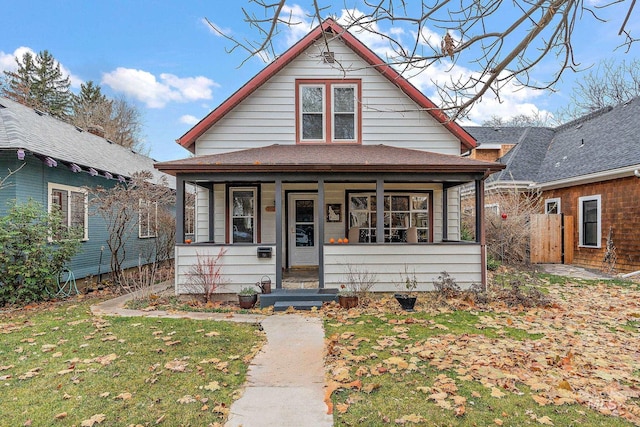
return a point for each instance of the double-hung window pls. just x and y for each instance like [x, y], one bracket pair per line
[590, 232]
[147, 219]
[328, 111]
[72, 204]
[243, 215]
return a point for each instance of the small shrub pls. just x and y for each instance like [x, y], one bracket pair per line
[359, 280]
[206, 274]
[446, 286]
[492, 263]
[518, 293]
[29, 262]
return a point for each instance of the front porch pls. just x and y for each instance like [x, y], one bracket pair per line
[386, 210]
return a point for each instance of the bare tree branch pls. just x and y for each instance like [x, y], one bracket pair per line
[495, 52]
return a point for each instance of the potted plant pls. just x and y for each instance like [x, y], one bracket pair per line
[407, 296]
[347, 297]
[247, 297]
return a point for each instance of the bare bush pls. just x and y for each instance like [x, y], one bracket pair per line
[206, 274]
[507, 227]
[359, 280]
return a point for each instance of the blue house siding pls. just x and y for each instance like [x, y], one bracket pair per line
[32, 182]
[8, 161]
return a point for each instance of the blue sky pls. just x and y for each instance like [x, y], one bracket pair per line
[165, 59]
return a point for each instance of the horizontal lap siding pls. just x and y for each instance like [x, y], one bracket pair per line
[268, 115]
[240, 266]
[388, 262]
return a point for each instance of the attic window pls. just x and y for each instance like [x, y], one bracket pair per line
[328, 57]
[39, 112]
[79, 129]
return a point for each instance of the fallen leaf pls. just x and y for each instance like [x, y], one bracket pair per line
[498, 421]
[95, 419]
[342, 407]
[123, 396]
[176, 365]
[496, 393]
[60, 416]
[212, 386]
[545, 420]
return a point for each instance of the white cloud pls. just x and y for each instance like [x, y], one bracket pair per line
[155, 93]
[217, 29]
[8, 63]
[514, 100]
[189, 119]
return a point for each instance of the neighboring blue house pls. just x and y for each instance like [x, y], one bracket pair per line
[58, 162]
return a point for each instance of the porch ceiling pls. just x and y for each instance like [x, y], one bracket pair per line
[343, 158]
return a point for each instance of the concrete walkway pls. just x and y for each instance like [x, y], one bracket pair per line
[285, 382]
[568, 270]
[286, 379]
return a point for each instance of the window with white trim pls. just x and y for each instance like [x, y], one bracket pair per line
[552, 206]
[72, 203]
[589, 211]
[147, 219]
[243, 215]
[328, 111]
[401, 211]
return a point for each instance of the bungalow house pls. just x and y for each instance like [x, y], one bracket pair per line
[56, 162]
[326, 159]
[587, 170]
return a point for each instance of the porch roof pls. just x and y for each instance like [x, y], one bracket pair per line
[314, 158]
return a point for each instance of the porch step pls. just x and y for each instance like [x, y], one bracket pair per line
[297, 305]
[290, 297]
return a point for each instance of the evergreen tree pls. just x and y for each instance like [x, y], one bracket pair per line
[39, 83]
[17, 84]
[91, 107]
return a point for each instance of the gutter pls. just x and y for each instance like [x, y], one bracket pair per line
[590, 178]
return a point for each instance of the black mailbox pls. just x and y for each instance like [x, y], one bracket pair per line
[264, 252]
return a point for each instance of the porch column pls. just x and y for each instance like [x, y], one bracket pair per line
[480, 238]
[380, 211]
[320, 243]
[445, 213]
[212, 214]
[279, 244]
[180, 201]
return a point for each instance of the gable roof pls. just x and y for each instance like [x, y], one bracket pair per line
[329, 25]
[315, 158]
[24, 128]
[601, 144]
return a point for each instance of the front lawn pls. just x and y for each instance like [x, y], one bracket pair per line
[573, 363]
[59, 365]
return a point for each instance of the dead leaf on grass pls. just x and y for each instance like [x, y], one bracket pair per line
[95, 419]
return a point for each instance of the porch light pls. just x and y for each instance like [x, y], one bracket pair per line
[50, 162]
[93, 172]
[20, 154]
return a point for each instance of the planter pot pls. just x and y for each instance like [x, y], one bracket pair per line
[347, 301]
[247, 301]
[406, 302]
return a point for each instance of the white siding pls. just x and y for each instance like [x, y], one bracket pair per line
[240, 266]
[268, 115]
[388, 261]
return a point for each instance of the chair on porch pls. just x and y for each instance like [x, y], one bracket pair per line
[412, 235]
[354, 235]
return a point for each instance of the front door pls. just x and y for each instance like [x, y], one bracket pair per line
[303, 230]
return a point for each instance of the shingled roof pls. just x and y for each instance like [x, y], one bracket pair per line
[315, 158]
[601, 142]
[34, 131]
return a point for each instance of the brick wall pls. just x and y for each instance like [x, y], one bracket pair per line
[620, 204]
